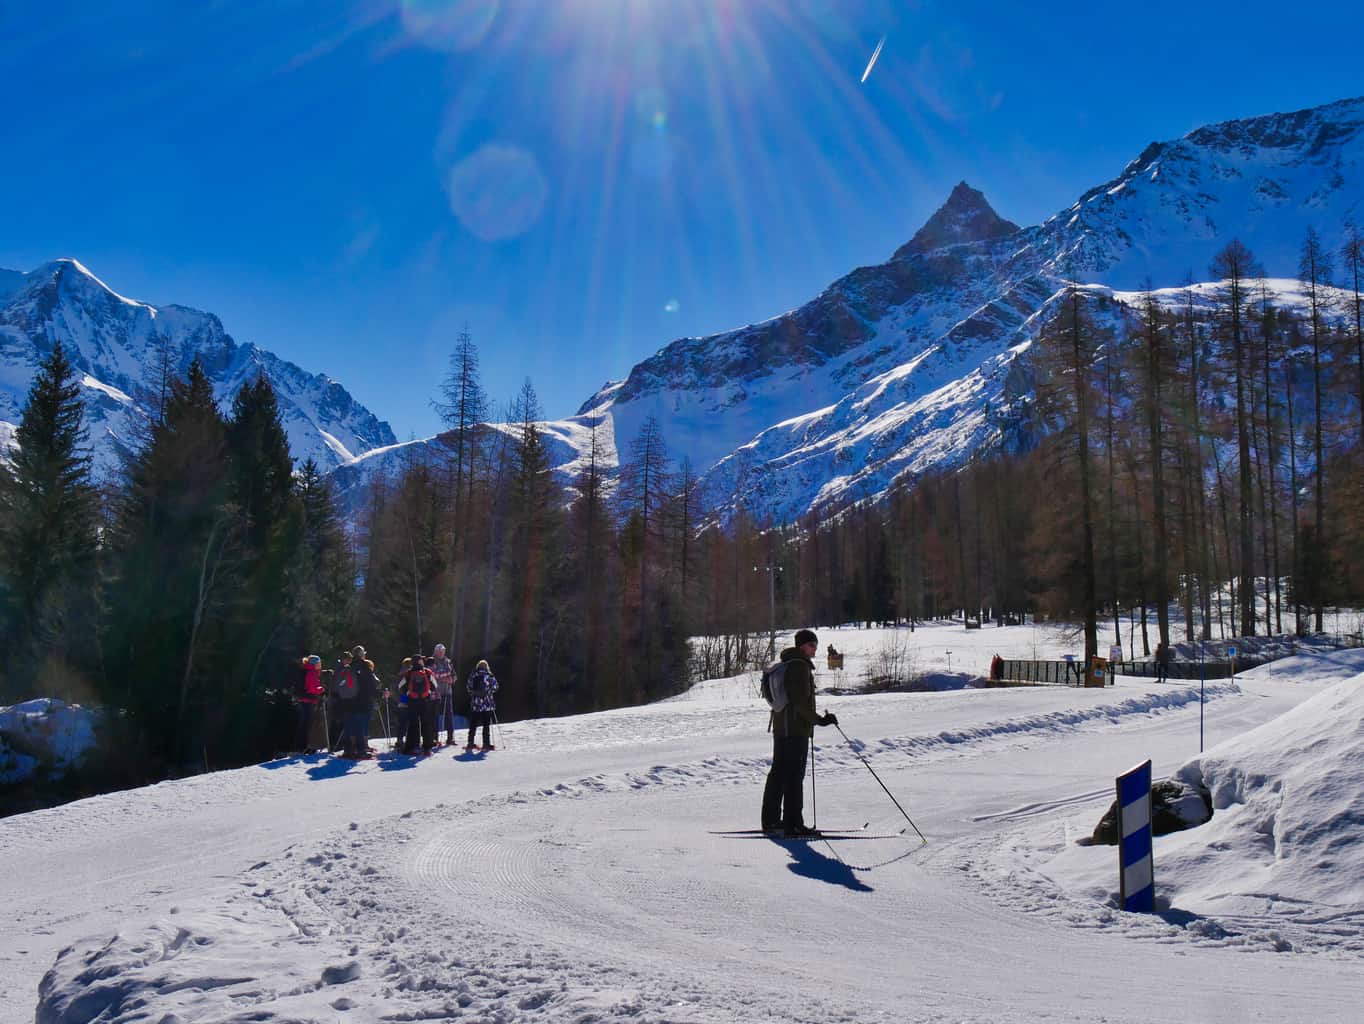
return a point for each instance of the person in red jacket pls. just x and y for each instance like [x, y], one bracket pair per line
[307, 692]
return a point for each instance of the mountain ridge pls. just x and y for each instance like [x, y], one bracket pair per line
[114, 342]
[892, 370]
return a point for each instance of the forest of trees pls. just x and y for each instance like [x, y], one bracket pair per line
[1203, 455]
[1183, 452]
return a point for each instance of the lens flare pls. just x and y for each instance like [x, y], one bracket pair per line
[449, 25]
[498, 192]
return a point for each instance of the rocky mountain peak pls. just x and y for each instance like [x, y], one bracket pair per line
[967, 216]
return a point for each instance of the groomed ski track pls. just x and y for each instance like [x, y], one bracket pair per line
[570, 876]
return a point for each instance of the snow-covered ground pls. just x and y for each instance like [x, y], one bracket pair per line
[571, 875]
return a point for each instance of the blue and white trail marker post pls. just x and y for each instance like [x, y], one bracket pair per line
[1136, 878]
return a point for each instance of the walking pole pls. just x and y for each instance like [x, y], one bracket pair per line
[878, 779]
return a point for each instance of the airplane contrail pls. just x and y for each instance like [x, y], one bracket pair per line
[872, 63]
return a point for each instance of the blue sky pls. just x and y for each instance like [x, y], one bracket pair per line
[347, 182]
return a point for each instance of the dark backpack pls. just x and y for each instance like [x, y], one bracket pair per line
[773, 685]
[346, 686]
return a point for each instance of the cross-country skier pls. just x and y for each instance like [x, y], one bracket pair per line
[793, 729]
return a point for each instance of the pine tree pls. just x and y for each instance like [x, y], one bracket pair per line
[1154, 329]
[463, 407]
[322, 584]
[48, 513]
[1314, 268]
[1235, 266]
[1352, 260]
[177, 554]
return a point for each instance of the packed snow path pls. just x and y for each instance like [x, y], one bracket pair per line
[570, 876]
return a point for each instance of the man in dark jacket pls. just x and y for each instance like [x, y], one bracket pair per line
[792, 730]
[357, 703]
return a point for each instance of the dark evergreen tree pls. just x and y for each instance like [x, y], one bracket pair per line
[463, 406]
[48, 516]
[176, 561]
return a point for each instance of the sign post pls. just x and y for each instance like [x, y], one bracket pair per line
[1136, 877]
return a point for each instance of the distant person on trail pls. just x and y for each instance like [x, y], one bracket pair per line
[482, 687]
[358, 687]
[404, 707]
[1162, 662]
[335, 712]
[793, 728]
[308, 692]
[444, 673]
[421, 709]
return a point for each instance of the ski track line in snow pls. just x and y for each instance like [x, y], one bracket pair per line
[1033, 810]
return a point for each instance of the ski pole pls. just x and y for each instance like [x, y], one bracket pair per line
[326, 728]
[879, 782]
[814, 792]
[498, 727]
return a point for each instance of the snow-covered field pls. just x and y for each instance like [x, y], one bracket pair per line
[572, 875]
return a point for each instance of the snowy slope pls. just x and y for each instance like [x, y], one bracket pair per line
[571, 875]
[116, 342]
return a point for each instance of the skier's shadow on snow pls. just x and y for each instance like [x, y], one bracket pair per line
[395, 762]
[331, 768]
[809, 862]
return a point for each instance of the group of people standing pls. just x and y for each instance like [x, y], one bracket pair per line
[422, 702]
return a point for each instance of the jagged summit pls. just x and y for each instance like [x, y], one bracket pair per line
[967, 216]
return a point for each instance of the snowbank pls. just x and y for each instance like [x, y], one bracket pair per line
[1287, 832]
[44, 736]
[1280, 864]
[195, 967]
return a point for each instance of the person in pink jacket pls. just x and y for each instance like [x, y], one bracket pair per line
[308, 692]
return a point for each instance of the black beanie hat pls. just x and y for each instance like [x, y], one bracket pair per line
[805, 636]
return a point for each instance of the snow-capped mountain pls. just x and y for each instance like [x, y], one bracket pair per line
[892, 371]
[901, 367]
[116, 343]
